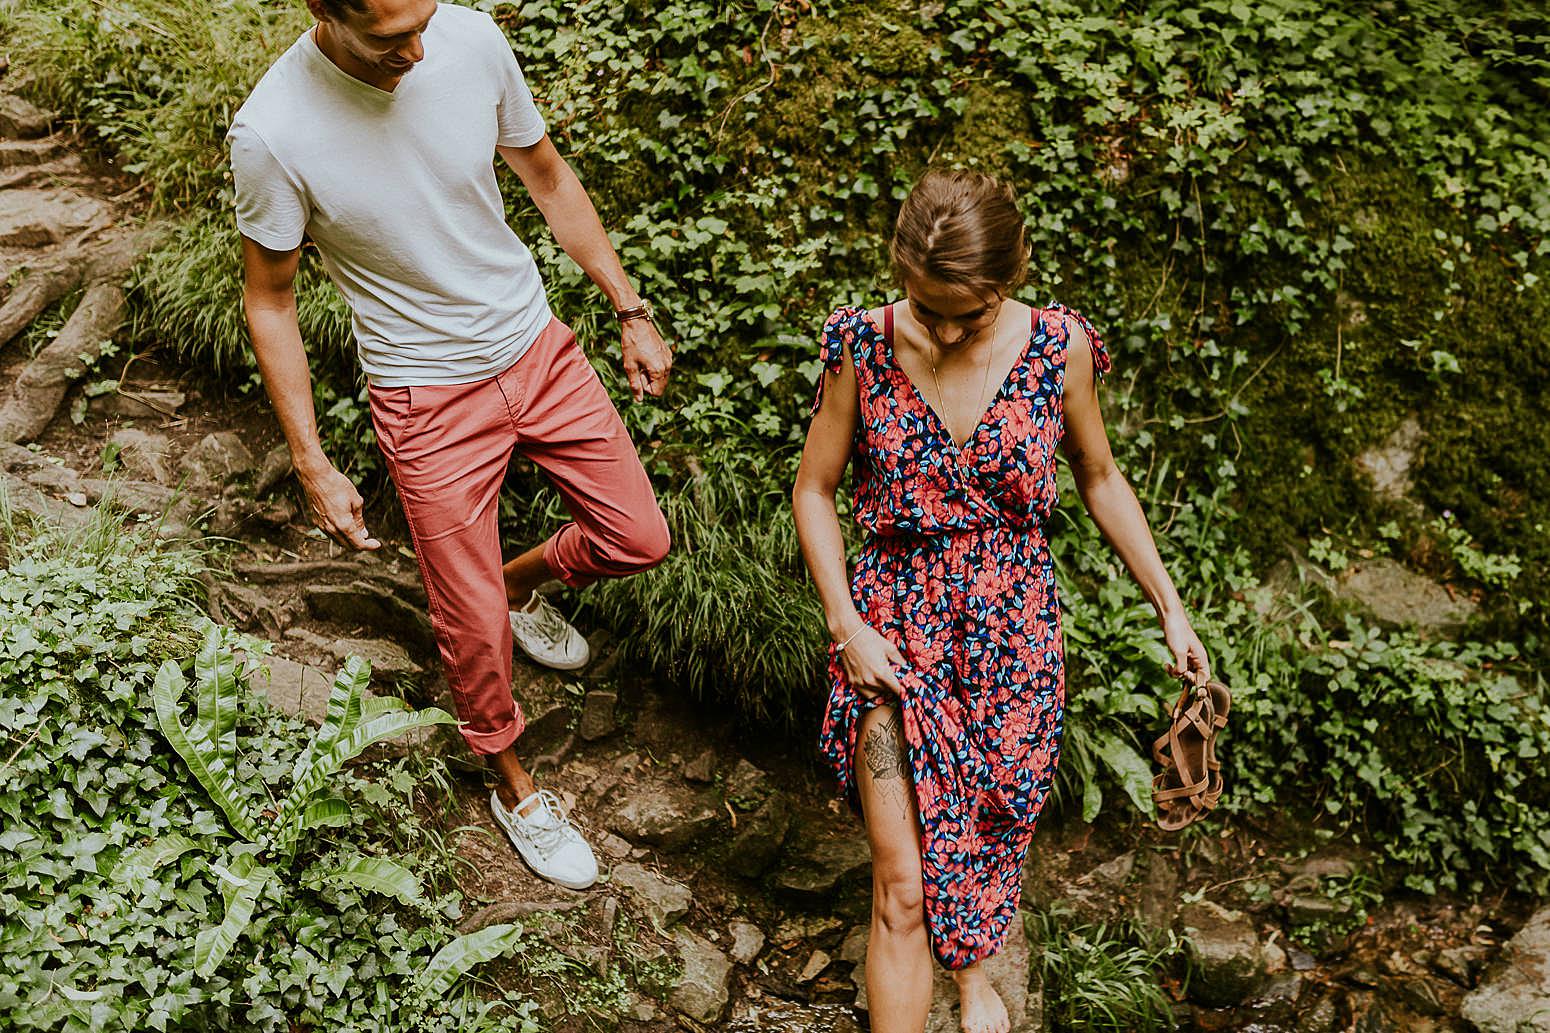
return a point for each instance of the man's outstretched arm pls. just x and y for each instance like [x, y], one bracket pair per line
[571, 216]
[269, 300]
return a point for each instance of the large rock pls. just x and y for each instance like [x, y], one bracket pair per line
[597, 715]
[1230, 964]
[815, 863]
[702, 991]
[1157, 900]
[1398, 595]
[664, 900]
[365, 605]
[144, 455]
[747, 787]
[1388, 465]
[218, 458]
[170, 506]
[1514, 997]
[19, 153]
[20, 118]
[388, 659]
[747, 941]
[759, 838]
[664, 817]
[1008, 972]
[272, 469]
[293, 688]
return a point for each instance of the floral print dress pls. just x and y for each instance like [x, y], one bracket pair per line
[956, 571]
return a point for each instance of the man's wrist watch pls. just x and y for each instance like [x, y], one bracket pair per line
[641, 311]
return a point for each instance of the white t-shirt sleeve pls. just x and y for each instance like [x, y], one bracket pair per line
[520, 123]
[271, 208]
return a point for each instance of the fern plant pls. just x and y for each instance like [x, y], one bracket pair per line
[263, 840]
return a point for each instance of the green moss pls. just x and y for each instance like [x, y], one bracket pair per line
[1485, 452]
[994, 116]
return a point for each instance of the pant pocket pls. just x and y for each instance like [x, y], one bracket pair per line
[391, 409]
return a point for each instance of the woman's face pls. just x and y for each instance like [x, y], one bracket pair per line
[954, 315]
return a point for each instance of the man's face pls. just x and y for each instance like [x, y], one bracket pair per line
[385, 35]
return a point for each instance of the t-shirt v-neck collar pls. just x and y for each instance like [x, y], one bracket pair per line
[364, 89]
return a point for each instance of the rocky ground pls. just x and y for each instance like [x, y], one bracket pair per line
[735, 894]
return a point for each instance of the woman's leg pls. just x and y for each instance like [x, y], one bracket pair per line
[898, 964]
[981, 1009]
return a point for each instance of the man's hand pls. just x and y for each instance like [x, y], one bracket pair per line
[335, 507]
[647, 358]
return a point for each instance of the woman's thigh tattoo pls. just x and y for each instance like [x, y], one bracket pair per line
[887, 758]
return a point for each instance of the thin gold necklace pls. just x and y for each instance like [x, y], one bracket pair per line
[979, 408]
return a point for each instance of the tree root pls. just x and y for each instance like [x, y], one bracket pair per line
[43, 285]
[36, 395]
[404, 585]
[303, 569]
[41, 387]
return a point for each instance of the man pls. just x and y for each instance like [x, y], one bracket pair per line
[375, 135]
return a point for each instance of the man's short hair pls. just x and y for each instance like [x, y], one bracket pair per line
[342, 8]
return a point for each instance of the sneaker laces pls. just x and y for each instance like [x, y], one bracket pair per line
[547, 622]
[547, 825]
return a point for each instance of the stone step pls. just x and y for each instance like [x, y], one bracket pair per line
[37, 218]
[1515, 995]
[16, 153]
[20, 118]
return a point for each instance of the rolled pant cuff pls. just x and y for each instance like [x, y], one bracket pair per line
[487, 743]
[557, 566]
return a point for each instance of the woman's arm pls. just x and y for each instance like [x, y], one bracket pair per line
[869, 657]
[1117, 513]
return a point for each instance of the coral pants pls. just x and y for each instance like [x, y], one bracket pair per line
[448, 447]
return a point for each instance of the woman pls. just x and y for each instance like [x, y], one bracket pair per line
[948, 690]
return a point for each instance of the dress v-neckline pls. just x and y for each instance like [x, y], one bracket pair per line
[886, 332]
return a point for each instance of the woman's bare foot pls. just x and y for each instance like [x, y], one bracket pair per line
[980, 1007]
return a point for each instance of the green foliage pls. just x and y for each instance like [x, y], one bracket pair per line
[1433, 749]
[209, 749]
[1351, 898]
[1100, 978]
[1199, 168]
[1475, 563]
[119, 881]
[728, 613]
[1297, 221]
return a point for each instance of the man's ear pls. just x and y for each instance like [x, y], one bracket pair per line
[318, 11]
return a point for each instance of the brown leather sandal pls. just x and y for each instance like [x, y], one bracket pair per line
[1190, 783]
[1221, 703]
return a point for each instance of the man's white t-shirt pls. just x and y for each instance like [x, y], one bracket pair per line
[398, 191]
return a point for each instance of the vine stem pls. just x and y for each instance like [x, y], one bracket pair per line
[764, 52]
[1339, 322]
[18, 751]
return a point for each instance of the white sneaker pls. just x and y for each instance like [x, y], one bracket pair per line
[547, 841]
[548, 638]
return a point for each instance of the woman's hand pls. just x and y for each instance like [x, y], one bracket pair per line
[1189, 656]
[869, 662]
